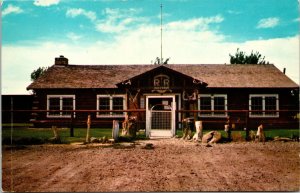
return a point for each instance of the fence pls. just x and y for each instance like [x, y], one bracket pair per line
[287, 118]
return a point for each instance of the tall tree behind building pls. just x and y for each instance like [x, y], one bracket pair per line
[240, 57]
[37, 73]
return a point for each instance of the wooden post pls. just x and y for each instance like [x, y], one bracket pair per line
[125, 126]
[72, 126]
[115, 130]
[195, 113]
[88, 123]
[54, 129]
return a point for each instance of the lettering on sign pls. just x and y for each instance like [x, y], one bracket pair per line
[161, 83]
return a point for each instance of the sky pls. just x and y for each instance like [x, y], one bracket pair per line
[128, 32]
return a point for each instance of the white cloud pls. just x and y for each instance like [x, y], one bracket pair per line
[79, 11]
[120, 13]
[45, 3]
[11, 9]
[234, 12]
[268, 22]
[118, 20]
[195, 24]
[297, 19]
[140, 45]
[74, 37]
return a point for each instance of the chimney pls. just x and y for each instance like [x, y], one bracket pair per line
[61, 61]
[284, 70]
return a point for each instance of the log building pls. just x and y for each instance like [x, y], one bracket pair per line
[214, 91]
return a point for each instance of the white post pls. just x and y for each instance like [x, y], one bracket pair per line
[115, 130]
[199, 131]
[173, 117]
[148, 119]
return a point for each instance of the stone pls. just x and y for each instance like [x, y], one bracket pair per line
[94, 140]
[211, 137]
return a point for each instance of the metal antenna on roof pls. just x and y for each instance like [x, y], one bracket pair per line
[161, 59]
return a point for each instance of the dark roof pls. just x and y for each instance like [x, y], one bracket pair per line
[215, 75]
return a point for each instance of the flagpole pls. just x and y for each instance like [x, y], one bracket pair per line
[161, 59]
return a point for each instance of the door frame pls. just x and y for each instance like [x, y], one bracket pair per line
[148, 114]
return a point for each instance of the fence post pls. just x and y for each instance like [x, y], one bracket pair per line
[247, 116]
[72, 126]
[88, 123]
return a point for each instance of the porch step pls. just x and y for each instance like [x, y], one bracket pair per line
[160, 134]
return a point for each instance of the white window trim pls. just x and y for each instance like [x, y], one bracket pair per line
[60, 105]
[212, 96]
[264, 115]
[111, 115]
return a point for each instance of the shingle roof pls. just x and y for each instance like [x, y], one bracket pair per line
[215, 75]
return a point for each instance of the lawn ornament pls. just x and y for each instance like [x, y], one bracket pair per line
[260, 135]
[129, 126]
[199, 131]
[211, 137]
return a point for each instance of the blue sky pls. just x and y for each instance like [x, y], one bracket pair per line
[128, 32]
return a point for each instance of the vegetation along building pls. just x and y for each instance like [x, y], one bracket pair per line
[162, 94]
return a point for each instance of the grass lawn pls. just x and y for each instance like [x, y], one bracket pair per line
[268, 133]
[40, 135]
[43, 134]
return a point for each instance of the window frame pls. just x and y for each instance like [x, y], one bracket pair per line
[264, 115]
[111, 115]
[61, 97]
[212, 105]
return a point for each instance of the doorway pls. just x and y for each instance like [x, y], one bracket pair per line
[160, 116]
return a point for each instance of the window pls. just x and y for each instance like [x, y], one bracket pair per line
[111, 102]
[212, 103]
[205, 104]
[60, 102]
[142, 102]
[262, 105]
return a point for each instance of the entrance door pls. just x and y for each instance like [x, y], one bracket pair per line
[160, 116]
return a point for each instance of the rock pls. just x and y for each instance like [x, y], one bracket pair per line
[216, 138]
[277, 138]
[104, 139]
[207, 137]
[94, 140]
[211, 137]
[148, 146]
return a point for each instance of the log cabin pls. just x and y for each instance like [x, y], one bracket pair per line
[165, 94]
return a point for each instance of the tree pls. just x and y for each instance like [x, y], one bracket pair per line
[157, 61]
[37, 73]
[240, 57]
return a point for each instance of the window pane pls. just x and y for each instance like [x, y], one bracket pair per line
[219, 104]
[104, 105]
[54, 104]
[67, 104]
[256, 104]
[142, 103]
[205, 104]
[118, 105]
[270, 103]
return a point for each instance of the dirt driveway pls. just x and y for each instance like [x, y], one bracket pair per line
[172, 165]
